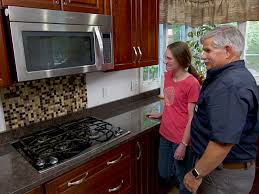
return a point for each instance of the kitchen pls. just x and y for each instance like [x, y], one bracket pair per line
[116, 97]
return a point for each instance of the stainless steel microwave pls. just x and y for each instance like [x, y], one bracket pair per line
[49, 43]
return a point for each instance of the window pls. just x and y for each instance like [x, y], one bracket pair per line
[251, 54]
[150, 76]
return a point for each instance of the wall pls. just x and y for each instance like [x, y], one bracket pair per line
[107, 87]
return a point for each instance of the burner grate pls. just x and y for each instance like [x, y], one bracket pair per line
[58, 144]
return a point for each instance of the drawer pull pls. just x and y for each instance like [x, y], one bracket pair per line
[116, 188]
[139, 151]
[69, 184]
[115, 161]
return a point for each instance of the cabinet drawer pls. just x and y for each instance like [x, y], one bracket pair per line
[117, 179]
[84, 177]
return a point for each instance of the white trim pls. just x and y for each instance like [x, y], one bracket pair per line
[2, 120]
[149, 84]
[243, 29]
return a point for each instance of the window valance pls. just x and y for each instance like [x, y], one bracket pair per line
[198, 12]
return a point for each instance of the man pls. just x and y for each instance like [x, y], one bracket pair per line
[225, 123]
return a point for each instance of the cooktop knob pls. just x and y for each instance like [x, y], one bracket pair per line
[53, 160]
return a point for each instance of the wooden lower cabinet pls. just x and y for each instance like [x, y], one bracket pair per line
[146, 163]
[130, 168]
[110, 172]
[38, 190]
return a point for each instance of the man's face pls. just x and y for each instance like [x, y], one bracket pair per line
[214, 57]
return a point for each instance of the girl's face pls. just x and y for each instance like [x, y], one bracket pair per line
[170, 61]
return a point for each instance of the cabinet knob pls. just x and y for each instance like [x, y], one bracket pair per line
[64, 2]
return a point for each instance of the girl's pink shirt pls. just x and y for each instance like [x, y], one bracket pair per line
[177, 95]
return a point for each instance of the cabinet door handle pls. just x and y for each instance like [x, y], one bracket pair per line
[139, 151]
[56, 2]
[140, 53]
[136, 55]
[64, 2]
[69, 184]
[115, 161]
[116, 188]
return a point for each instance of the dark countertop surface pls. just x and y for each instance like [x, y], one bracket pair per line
[18, 176]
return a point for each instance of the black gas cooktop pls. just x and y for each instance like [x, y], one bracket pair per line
[52, 146]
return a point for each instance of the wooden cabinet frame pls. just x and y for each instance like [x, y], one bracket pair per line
[4, 63]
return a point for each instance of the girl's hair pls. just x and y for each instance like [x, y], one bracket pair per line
[182, 53]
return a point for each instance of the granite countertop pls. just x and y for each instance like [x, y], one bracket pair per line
[18, 176]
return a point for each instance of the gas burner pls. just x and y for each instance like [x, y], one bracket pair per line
[55, 145]
[42, 139]
[40, 162]
[93, 136]
[63, 146]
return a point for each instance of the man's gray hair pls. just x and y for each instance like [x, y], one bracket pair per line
[226, 35]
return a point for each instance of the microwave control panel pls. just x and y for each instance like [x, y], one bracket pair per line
[107, 45]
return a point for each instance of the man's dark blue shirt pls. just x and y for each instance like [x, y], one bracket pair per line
[227, 112]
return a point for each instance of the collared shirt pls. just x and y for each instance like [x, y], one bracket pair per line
[227, 112]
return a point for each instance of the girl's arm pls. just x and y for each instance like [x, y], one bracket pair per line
[186, 136]
[180, 151]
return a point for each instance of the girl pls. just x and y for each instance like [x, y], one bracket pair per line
[181, 91]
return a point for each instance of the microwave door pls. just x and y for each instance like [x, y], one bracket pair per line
[71, 49]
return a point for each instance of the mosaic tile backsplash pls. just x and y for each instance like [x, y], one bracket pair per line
[39, 100]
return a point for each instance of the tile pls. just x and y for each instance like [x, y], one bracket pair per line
[30, 102]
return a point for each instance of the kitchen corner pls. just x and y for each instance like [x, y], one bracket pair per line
[18, 176]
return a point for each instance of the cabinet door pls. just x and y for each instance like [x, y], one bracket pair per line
[142, 167]
[4, 65]
[90, 6]
[124, 33]
[44, 4]
[37, 190]
[148, 21]
[146, 167]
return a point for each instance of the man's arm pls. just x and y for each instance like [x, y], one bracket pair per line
[214, 154]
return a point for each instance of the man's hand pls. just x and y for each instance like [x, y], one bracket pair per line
[180, 152]
[191, 183]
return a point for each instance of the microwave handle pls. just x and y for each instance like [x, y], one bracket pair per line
[100, 48]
